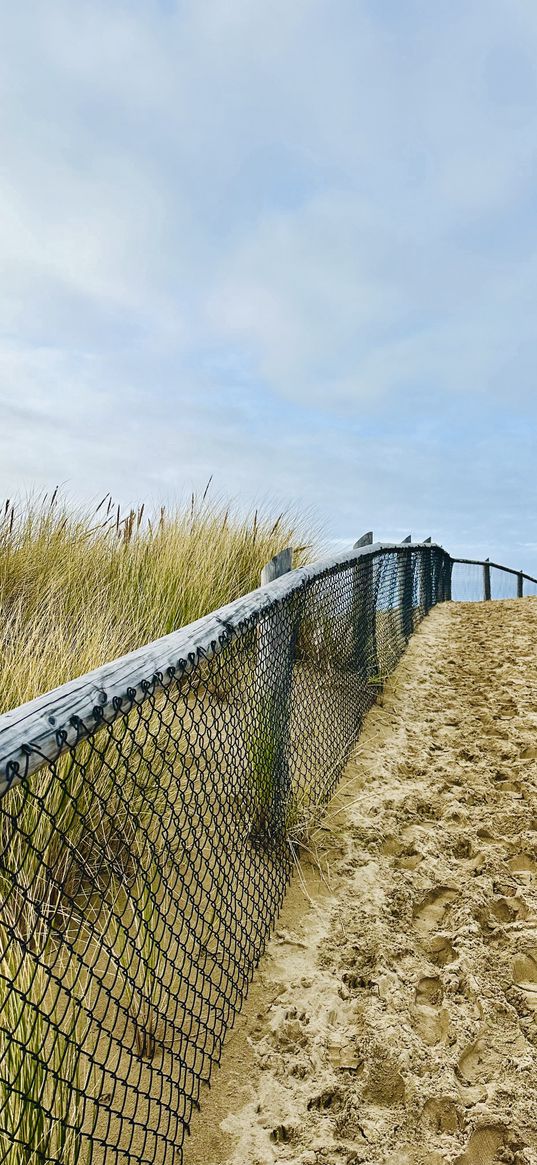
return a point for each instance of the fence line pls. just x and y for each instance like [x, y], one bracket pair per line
[150, 813]
[30, 735]
[475, 579]
[496, 565]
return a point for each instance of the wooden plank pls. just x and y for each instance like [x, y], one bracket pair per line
[364, 615]
[28, 734]
[448, 572]
[442, 577]
[279, 565]
[438, 575]
[276, 643]
[426, 580]
[405, 588]
[271, 714]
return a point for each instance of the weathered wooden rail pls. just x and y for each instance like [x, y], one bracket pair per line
[49, 725]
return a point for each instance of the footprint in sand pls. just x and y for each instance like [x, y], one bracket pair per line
[493, 730]
[525, 976]
[501, 912]
[485, 835]
[490, 1144]
[523, 867]
[406, 857]
[461, 848]
[409, 860]
[441, 950]
[508, 909]
[478, 1063]
[505, 784]
[442, 1115]
[429, 913]
[430, 1019]
[384, 1084]
[392, 847]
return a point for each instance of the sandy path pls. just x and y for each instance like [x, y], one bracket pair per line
[394, 1019]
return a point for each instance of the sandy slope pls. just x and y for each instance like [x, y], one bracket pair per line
[395, 1015]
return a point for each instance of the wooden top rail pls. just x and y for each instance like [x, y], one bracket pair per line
[495, 565]
[29, 734]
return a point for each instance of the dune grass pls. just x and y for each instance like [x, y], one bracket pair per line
[79, 588]
[41, 1080]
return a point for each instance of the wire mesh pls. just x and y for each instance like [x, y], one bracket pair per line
[469, 582]
[145, 863]
[503, 584]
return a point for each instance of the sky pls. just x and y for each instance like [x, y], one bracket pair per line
[289, 243]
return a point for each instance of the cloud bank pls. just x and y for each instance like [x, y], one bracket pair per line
[292, 245]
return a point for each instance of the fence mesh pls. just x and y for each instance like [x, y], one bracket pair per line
[468, 583]
[143, 867]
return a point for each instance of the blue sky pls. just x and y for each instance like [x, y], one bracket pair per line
[290, 244]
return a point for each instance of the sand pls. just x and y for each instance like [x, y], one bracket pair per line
[393, 1019]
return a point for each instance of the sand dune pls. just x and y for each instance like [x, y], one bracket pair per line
[394, 1017]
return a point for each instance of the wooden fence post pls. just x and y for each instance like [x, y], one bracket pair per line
[448, 568]
[280, 564]
[520, 585]
[486, 579]
[276, 637]
[364, 615]
[365, 540]
[405, 589]
[426, 584]
[440, 578]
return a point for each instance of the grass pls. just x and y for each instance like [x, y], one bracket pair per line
[41, 1088]
[79, 588]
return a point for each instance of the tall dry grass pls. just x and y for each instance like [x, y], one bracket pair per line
[79, 588]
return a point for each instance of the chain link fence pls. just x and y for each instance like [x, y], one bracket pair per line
[474, 580]
[150, 816]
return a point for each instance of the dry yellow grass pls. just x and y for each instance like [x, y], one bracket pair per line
[79, 588]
